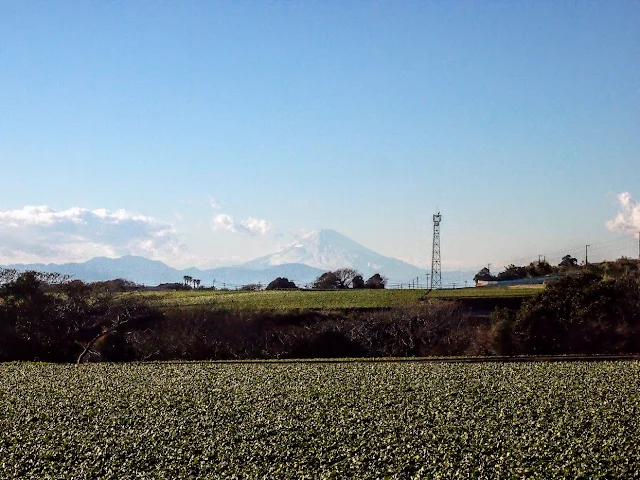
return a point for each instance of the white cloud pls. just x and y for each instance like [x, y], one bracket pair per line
[250, 226]
[42, 234]
[628, 219]
[224, 222]
[256, 226]
[214, 203]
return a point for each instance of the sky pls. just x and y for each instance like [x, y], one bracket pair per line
[210, 133]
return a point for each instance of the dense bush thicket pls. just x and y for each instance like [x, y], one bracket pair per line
[48, 318]
[582, 314]
[438, 328]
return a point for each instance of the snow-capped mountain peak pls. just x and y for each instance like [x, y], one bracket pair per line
[329, 250]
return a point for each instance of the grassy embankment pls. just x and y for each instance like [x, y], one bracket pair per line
[344, 420]
[323, 300]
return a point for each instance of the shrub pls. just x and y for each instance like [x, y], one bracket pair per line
[281, 283]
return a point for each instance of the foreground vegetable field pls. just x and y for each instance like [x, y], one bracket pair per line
[314, 420]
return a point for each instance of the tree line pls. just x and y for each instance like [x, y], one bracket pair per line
[340, 279]
[190, 281]
[332, 280]
[568, 264]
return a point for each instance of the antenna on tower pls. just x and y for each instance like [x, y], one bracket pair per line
[436, 266]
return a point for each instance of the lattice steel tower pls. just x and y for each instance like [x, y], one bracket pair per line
[436, 267]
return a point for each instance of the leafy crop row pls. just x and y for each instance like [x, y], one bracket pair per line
[402, 420]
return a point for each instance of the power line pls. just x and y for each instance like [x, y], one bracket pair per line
[597, 247]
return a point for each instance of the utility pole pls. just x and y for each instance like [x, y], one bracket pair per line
[638, 245]
[586, 254]
[436, 264]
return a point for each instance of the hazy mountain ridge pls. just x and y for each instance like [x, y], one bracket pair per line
[302, 262]
[153, 272]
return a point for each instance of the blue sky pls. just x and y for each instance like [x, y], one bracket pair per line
[214, 132]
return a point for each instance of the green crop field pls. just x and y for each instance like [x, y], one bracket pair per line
[286, 300]
[317, 300]
[306, 420]
[485, 292]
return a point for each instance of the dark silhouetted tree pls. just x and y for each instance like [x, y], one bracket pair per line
[568, 261]
[539, 269]
[326, 281]
[512, 272]
[340, 279]
[376, 281]
[357, 282]
[345, 277]
[484, 274]
[281, 283]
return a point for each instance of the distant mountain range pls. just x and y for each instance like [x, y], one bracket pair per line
[153, 272]
[302, 262]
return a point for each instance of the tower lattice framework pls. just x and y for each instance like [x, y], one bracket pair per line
[436, 264]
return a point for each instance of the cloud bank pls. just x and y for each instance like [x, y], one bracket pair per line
[250, 226]
[40, 234]
[628, 219]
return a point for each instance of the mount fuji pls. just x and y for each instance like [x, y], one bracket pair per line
[330, 250]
